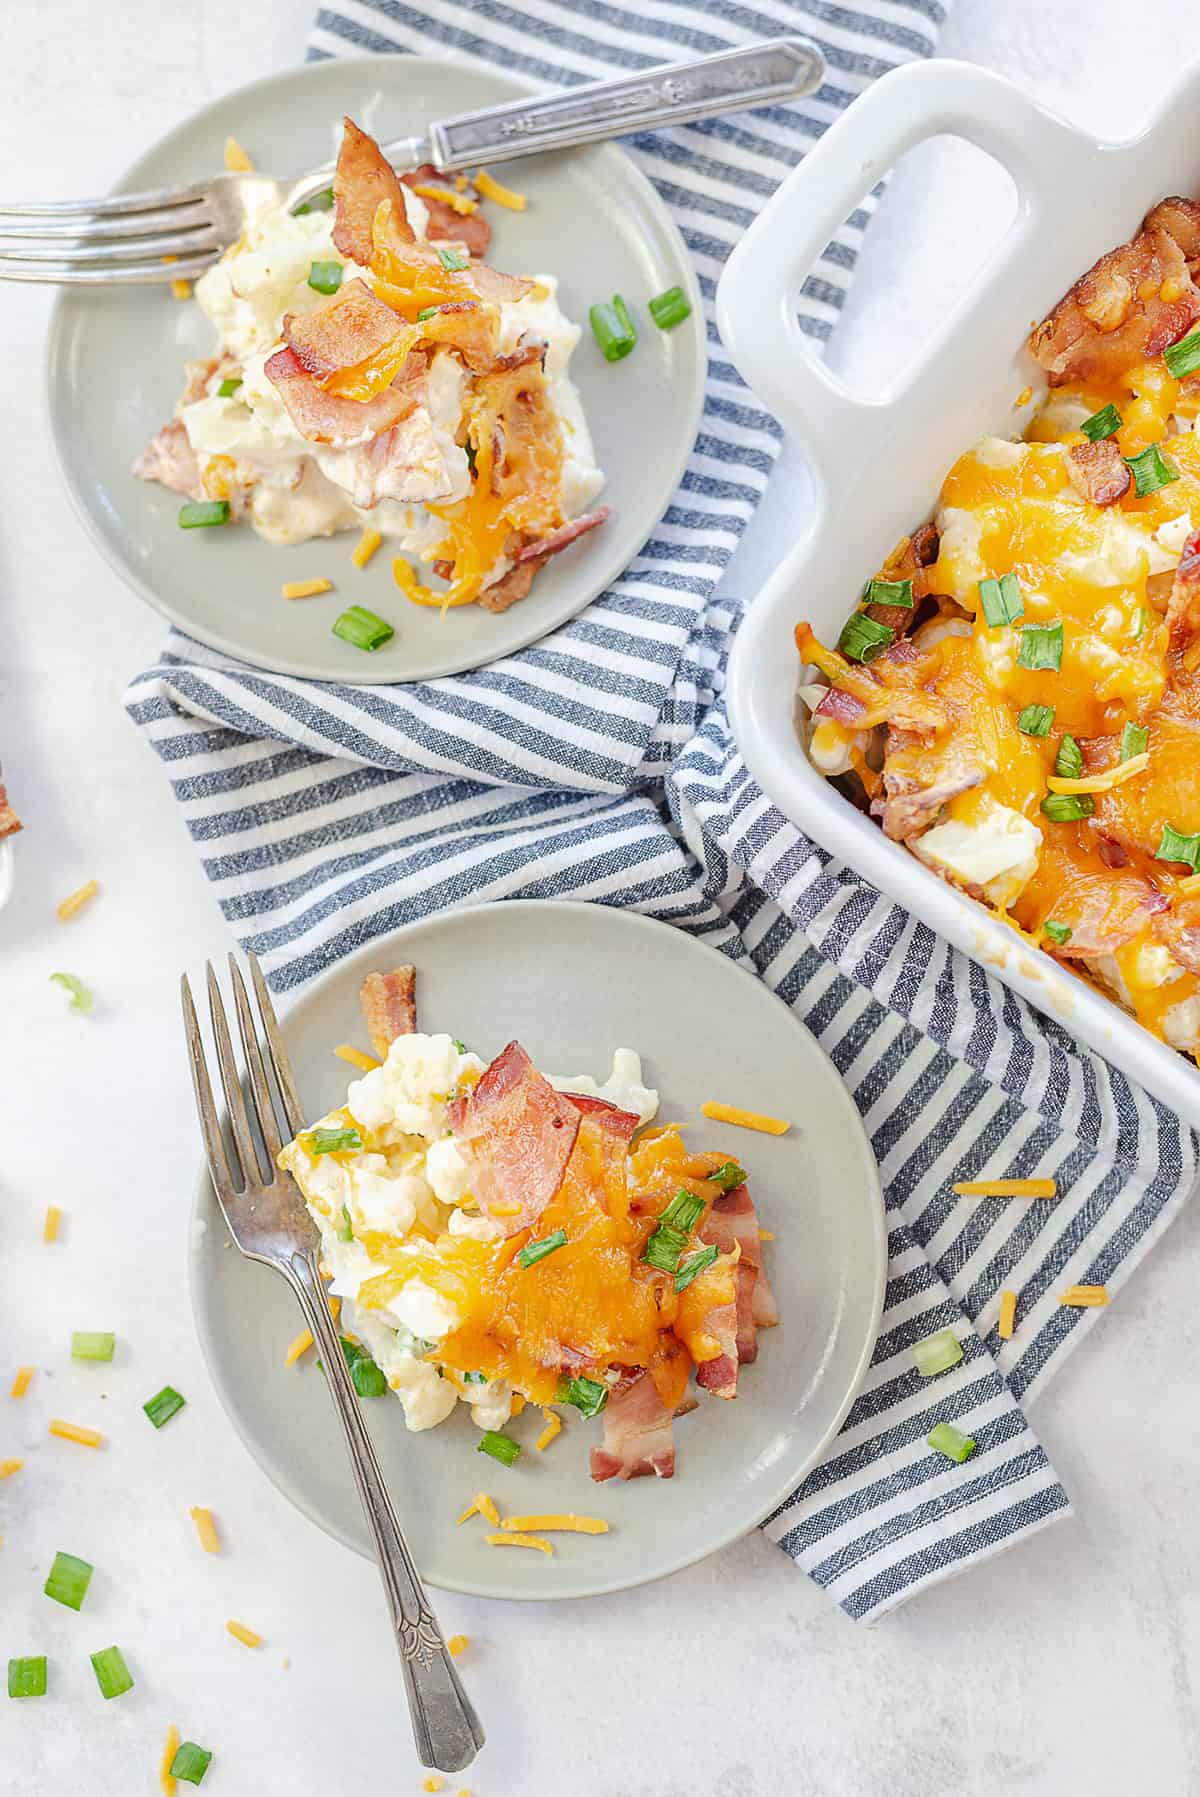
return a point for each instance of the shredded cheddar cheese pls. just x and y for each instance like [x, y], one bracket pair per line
[78, 899]
[1191, 657]
[449, 196]
[553, 1428]
[470, 1511]
[1190, 885]
[506, 1207]
[565, 1522]
[50, 1223]
[518, 1404]
[457, 1644]
[364, 1062]
[236, 159]
[432, 1783]
[1103, 782]
[1084, 1297]
[166, 1760]
[491, 189]
[20, 1384]
[9, 1467]
[1023, 398]
[732, 1113]
[365, 548]
[206, 1528]
[181, 289]
[87, 1438]
[299, 1345]
[534, 1541]
[240, 1632]
[487, 1507]
[305, 589]
[1006, 1188]
[1008, 1316]
[766, 1235]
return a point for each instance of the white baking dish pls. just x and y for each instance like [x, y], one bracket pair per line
[878, 464]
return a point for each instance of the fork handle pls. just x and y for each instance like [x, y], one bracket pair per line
[783, 68]
[447, 1731]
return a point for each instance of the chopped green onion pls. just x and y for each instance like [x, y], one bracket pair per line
[346, 1227]
[888, 592]
[461, 1046]
[1138, 623]
[728, 1176]
[333, 1141]
[365, 629]
[202, 514]
[589, 1396]
[163, 1405]
[1068, 807]
[453, 261]
[669, 309]
[325, 277]
[864, 638]
[664, 1247]
[1183, 357]
[1134, 739]
[937, 1353]
[1036, 720]
[684, 1211]
[695, 1263]
[1177, 847]
[68, 1581]
[1041, 646]
[368, 1377]
[229, 386]
[1002, 600]
[535, 1251]
[1057, 932]
[501, 1447]
[615, 336]
[316, 202]
[1150, 470]
[427, 312]
[27, 1677]
[190, 1762]
[92, 1347]
[622, 312]
[1101, 424]
[81, 998]
[1068, 763]
[951, 1442]
[475, 1378]
[112, 1674]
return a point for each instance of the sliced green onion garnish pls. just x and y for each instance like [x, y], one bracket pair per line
[368, 1377]
[81, 998]
[1101, 424]
[98, 1346]
[1036, 720]
[112, 1674]
[1150, 470]
[1068, 807]
[346, 1227]
[325, 277]
[475, 1378]
[589, 1396]
[951, 1442]
[163, 1405]
[695, 1263]
[461, 1046]
[1057, 932]
[501, 1447]
[669, 309]
[1177, 847]
[365, 629]
[888, 592]
[68, 1581]
[317, 202]
[202, 514]
[622, 312]
[453, 261]
[864, 638]
[1068, 763]
[1138, 623]
[332, 1141]
[1002, 600]
[1183, 357]
[1041, 646]
[614, 337]
[937, 1353]
[728, 1176]
[427, 312]
[27, 1677]
[1134, 739]
[535, 1251]
[190, 1762]
[684, 1211]
[229, 386]
[664, 1247]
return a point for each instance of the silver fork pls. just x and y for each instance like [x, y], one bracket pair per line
[266, 1216]
[124, 238]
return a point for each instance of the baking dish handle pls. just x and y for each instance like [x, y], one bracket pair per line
[756, 300]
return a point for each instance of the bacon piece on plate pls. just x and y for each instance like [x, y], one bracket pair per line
[637, 1432]
[844, 707]
[509, 588]
[907, 561]
[516, 1134]
[1180, 219]
[389, 1006]
[10, 823]
[558, 540]
[364, 177]
[616, 1123]
[1126, 309]
[471, 229]
[720, 1374]
[603, 1141]
[326, 417]
[406, 463]
[733, 1222]
[351, 326]
[199, 374]
[170, 459]
[1098, 472]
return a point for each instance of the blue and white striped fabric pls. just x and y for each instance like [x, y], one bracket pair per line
[599, 765]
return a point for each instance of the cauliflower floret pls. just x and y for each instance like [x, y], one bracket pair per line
[998, 853]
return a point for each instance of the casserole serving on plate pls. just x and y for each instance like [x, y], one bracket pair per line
[1007, 697]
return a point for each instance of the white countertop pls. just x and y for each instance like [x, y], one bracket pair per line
[1068, 1665]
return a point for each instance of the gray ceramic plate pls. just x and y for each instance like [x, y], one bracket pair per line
[574, 982]
[116, 370]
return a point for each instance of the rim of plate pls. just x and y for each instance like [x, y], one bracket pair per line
[281, 664]
[204, 1195]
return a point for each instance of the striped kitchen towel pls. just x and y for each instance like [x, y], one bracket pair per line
[598, 764]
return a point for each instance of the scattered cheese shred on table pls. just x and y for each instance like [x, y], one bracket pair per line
[449, 196]
[543, 1547]
[468, 1513]
[240, 1632]
[1085, 1297]
[491, 189]
[78, 899]
[1008, 1316]
[206, 1528]
[87, 1438]
[732, 1113]
[566, 1521]
[305, 589]
[1006, 1188]
[166, 1760]
[20, 1384]
[50, 1223]
[432, 1783]
[181, 289]
[365, 548]
[553, 1428]
[766, 1235]
[9, 1467]
[487, 1507]
[456, 1644]
[299, 1345]
[236, 159]
[366, 1063]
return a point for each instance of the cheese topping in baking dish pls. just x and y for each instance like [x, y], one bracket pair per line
[1017, 698]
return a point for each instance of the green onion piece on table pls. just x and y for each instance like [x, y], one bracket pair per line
[1041, 647]
[684, 1211]
[889, 592]
[1150, 470]
[1059, 933]
[1036, 720]
[1183, 357]
[1002, 600]
[1101, 424]
[203, 514]
[501, 1447]
[695, 1263]
[112, 1674]
[163, 1405]
[1134, 739]
[615, 337]
[317, 202]
[669, 309]
[937, 1353]
[453, 261]
[1068, 807]
[1175, 846]
[27, 1677]
[229, 386]
[333, 1141]
[864, 638]
[728, 1176]
[325, 277]
[190, 1762]
[589, 1396]
[535, 1251]
[98, 1346]
[68, 1580]
[951, 1442]
[81, 998]
[365, 629]
[1068, 763]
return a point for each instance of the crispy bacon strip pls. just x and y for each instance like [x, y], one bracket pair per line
[351, 326]
[326, 418]
[1183, 607]
[733, 1222]
[842, 706]
[509, 588]
[1179, 931]
[405, 463]
[720, 1375]
[389, 1006]
[364, 177]
[563, 537]
[1098, 472]
[517, 1133]
[170, 459]
[1126, 309]
[10, 823]
[446, 225]
[907, 561]
[199, 374]
[637, 1432]
[1180, 219]
[907, 806]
